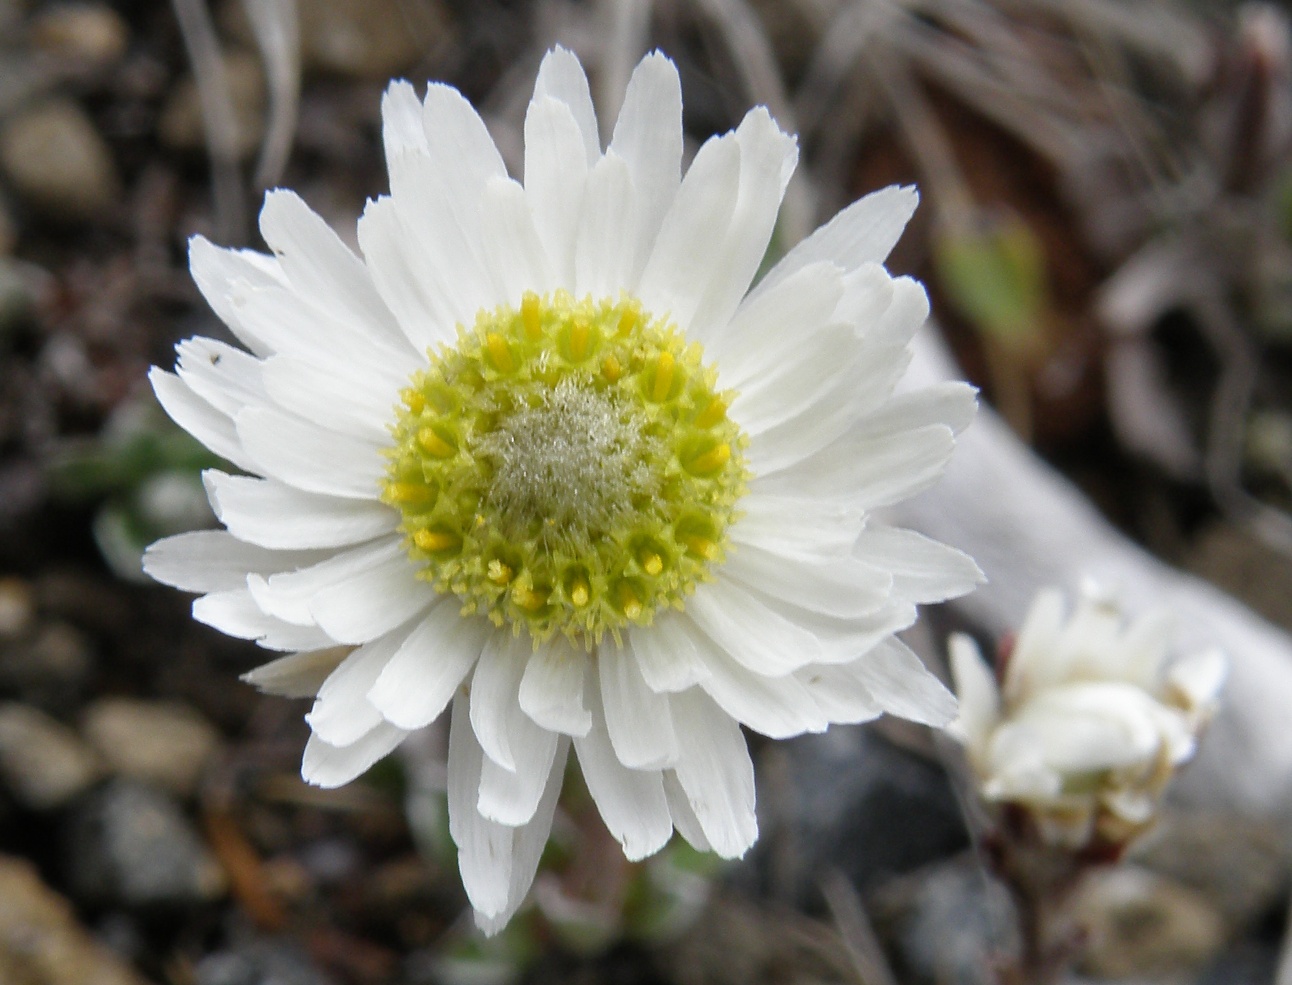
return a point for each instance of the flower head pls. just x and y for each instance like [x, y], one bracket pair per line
[1087, 722]
[541, 458]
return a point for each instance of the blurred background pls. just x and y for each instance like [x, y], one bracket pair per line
[1106, 235]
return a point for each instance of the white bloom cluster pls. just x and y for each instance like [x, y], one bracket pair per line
[1085, 722]
[541, 459]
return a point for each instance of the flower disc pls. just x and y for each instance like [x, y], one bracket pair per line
[566, 467]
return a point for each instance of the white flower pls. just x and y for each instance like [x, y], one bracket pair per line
[1089, 723]
[540, 457]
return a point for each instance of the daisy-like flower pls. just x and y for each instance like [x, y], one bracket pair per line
[541, 458]
[1086, 722]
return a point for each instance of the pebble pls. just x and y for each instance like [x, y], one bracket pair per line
[181, 127]
[17, 608]
[129, 844]
[48, 667]
[162, 742]
[91, 35]
[1144, 925]
[57, 162]
[260, 962]
[946, 923]
[41, 942]
[43, 762]
[850, 799]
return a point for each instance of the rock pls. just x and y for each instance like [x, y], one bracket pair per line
[129, 844]
[260, 962]
[181, 126]
[40, 941]
[1145, 925]
[8, 240]
[946, 923]
[359, 39]
[57, 162]
[17, 608]
[43, 762]
[1240, 865]
[49, 666]
[850, 799]
[162, 742]
[90, 35]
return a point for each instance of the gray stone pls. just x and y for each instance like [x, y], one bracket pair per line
[259, 962]
[90, 35]
[849, 799]
[49, 666]
[181, 126]
[947, 924]
[57, 162]
[17, 608]
[43, 762]
[162, 742]
[41, 942]
[129, 844]
[1139, 924]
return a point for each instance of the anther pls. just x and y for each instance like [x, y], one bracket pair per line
[499, 352]
[408, 493]
[580, 593]
[433, 541]
[701, 546]
[712, 460]
[628, 601]
[531, 315]
[580, 336]
[629, 316]
[664, 369]
[433, 444]
[413, 400]
[651, 562]
[499, 573]
[611, 369]
[712, 414]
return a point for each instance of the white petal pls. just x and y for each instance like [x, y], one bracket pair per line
[684, 819]
[427, 297]
[236, 614]
[518, 261]
[297, 675]
[603, 247]
[511, 797]
[666, 653]
[678, 271]
[225, 377]
[756, 636]
[976, 691]
[417, 684]
[199, 418]
[950, 404]
[865, 232]
[401, 120]
[287, 594]
[337, 394]
[903, 686]
[631, 802]
[648, 137]
[214, 561]
[839, 587]
[922, 570]
[776, 324]
[767, 159]
[484, 847]
[271, 514]
[327, 766]
[842, 641]
[556, 169]
[716, 773]
[552, 688]
[1031, 665]
[342, 713]
[638, 719]
[364, 607]
[458, 142]
[807, 529]
[495, 688]
[222, 275]
[839, 694]
[561, 77]
[1199, 678]
[309, 458]
[778, 707]
[320, 267]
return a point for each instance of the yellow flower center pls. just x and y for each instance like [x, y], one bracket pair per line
[567, 467]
